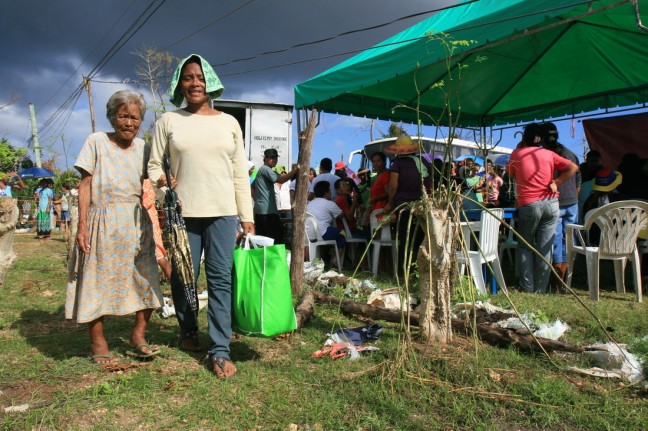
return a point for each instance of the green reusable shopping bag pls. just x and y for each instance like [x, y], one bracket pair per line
[261, 297]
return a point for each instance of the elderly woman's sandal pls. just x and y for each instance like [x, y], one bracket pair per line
[140, 353]
[100, 359]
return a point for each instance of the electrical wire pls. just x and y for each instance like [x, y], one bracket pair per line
[207, 25]
[346, 33]
[126, 36]
[74, 74]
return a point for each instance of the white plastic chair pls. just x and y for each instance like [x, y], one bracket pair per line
[487, 250]
[353, 243]
[620, 223]
[381, 239]
[315, 243]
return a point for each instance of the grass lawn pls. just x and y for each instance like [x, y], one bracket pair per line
[466, 385]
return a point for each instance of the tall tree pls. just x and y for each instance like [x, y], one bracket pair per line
[156, 68]
[10, 157]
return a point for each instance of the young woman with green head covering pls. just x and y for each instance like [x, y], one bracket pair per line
[208, 164]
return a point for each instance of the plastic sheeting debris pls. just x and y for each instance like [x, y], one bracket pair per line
[614, 362]
[390, 299]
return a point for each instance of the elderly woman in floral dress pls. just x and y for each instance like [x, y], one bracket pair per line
[115, 270]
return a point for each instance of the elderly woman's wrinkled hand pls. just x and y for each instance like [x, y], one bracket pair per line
[83, 239]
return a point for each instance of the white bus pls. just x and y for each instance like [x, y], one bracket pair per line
[459, 149]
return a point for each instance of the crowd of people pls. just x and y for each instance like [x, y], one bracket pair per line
[46, 209]
[114, 270]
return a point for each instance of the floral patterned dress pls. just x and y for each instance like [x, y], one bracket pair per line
[119, 276]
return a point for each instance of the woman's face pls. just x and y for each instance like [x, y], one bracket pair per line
[192, 84]
[311, 176]
[377, 163]
[127, 122]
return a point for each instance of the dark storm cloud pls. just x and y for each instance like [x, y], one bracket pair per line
[48, 46]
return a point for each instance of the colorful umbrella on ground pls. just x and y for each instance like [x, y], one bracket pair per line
[36, 172]
[179, 251]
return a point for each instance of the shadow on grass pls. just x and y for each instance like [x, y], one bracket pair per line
[57, 338]
[51, 334]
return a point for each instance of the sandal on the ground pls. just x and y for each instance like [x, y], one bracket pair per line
[139, 351]
[189, 342]
[223, 367]
[103, 359]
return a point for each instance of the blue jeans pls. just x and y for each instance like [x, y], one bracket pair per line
[333, 233]
[536, 224]
[217, 237]
[568, 214]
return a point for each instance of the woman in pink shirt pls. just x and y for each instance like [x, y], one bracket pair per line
[533, 168]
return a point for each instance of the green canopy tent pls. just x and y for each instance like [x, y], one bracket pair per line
[545, 59]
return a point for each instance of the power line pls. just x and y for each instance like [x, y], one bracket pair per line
[383, 45]
[346, 33]
[207, 25]
[128, 34]
[74, 74]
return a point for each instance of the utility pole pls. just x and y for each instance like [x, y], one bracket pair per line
[86, 84]
[37, 148]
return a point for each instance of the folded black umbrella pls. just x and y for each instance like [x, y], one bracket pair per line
[179, 251]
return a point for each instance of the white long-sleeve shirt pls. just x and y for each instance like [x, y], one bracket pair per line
[208, 161]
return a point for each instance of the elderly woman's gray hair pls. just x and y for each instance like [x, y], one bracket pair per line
[124, 97]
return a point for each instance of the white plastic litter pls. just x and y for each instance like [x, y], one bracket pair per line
[552, 331]
[518, 324]
[614, 361]
[17, 409]
[461, 308]
[312, 271]
[389, 298]
[167, 309]
[353, 352]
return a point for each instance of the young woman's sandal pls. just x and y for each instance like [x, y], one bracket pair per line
[189, 342]
[223, 367]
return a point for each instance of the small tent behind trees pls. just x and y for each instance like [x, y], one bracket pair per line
[543, 58]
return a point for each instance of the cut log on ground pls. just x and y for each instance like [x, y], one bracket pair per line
[305, 309]
[488, 333]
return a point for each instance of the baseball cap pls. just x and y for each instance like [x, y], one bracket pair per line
[270, 152]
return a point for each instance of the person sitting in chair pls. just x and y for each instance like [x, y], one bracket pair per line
[325, 212]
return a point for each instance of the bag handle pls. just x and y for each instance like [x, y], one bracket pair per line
[256, 242]
[247, 242]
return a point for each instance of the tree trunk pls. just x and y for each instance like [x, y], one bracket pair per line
[8, 219]
[299, 207]
[436, 262]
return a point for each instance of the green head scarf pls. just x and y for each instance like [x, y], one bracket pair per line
[214, 87]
